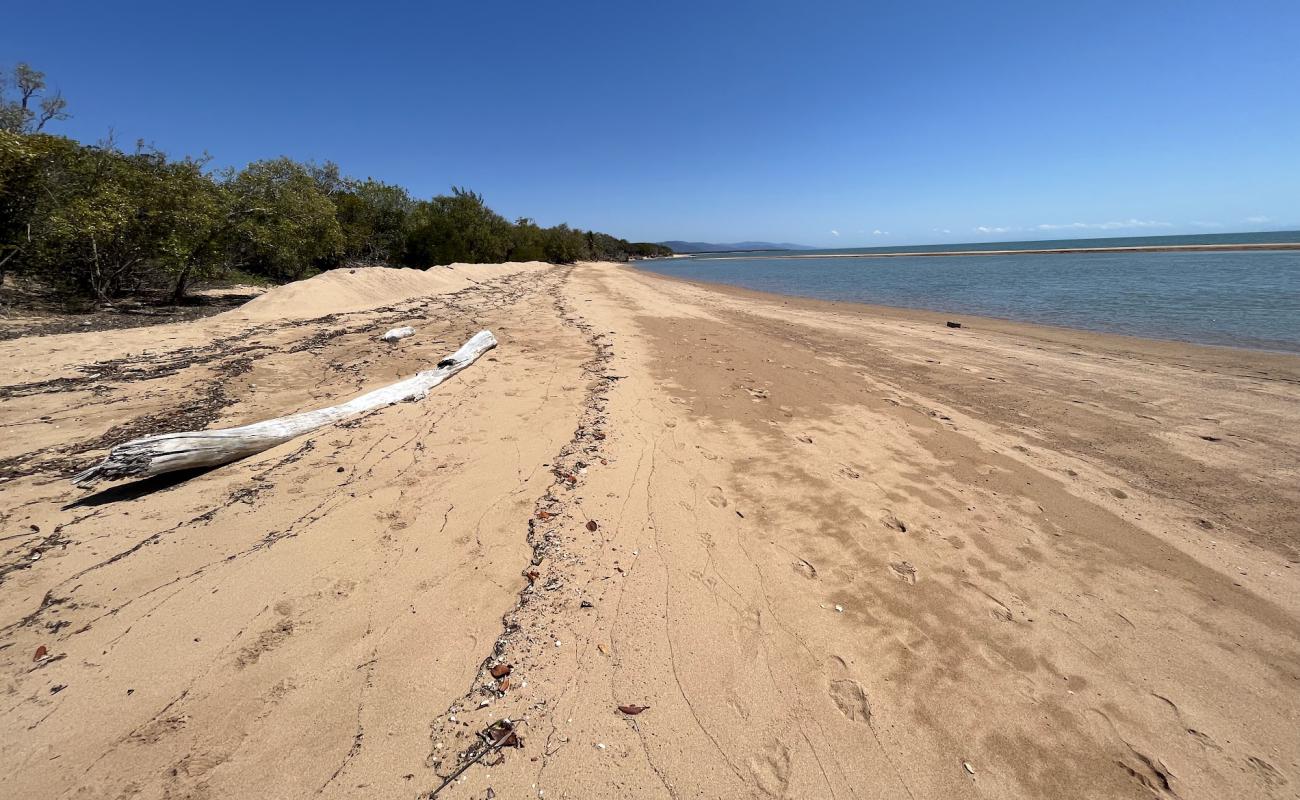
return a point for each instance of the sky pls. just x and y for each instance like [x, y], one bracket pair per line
[831, 124]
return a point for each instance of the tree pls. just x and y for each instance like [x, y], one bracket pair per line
[526, 242]
[374, 220]
[18, 192]
[283, 224]
[32, 110]
[456, 228]
[564, 245]
[196, 218]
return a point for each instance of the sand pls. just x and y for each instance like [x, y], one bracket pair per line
[838, 551]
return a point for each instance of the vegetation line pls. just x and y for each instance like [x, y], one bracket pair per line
[100, 222]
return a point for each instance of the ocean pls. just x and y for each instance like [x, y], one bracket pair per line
[1237, 298]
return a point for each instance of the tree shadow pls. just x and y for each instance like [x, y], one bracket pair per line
[137, 489]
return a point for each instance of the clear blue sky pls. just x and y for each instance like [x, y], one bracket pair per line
[925, 121]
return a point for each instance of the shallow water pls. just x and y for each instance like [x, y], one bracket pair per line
[1240, 298]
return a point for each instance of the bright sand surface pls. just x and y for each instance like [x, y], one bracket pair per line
[838, 551]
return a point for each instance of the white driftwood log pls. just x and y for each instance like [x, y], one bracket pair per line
[397, 334]
[155, 455]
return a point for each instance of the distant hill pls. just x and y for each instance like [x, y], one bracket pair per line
[709, 247]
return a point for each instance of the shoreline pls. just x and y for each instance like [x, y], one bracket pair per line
[1172, 248]
[1020, 327]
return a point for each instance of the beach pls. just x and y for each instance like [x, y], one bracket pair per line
[692, 541]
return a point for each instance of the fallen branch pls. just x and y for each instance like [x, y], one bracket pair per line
[155, 455]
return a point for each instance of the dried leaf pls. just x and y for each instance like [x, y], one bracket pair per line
[544, 515]
[602, 648]
[502, 734]
[632, 711]
[591, 525]
[40, 653]
[501, 670]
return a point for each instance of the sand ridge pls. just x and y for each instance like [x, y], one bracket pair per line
[355, 289]
[834, 551]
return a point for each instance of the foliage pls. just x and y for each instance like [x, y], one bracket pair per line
[374, 219]
[96, 217]
[282, 223]
[100, 222]
[456, 228]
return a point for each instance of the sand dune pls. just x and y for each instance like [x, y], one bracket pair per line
[836, 551]
[346, 290]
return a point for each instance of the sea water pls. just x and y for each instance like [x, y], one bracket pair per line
[1240, 298]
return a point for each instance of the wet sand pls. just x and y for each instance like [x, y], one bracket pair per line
[838, 551]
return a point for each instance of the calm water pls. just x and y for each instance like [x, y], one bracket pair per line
[1241, 298]
[1255, 237]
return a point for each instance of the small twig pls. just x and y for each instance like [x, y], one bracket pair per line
[495, 746]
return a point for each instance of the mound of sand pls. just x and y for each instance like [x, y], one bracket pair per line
[360, 288]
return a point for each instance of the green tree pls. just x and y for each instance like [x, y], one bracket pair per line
[456, 228]
[526, 242]
[374, 219]
[564, 245]
[95, 225]
[19, 182]
[283, 223]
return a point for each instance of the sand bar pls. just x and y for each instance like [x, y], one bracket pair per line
[838, 551]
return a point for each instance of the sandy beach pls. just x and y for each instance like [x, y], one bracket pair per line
[831, 550]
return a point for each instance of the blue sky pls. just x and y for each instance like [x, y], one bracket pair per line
[833, 124]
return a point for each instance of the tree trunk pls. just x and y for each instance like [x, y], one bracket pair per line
[182, 284]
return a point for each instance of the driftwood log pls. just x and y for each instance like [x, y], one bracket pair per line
[155, 455]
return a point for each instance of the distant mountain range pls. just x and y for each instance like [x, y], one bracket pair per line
[710, 247]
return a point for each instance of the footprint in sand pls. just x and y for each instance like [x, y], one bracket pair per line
[851, 700]
[771, 769]
[716, 498]
[893, 522]
[265, 642]
[902, 569]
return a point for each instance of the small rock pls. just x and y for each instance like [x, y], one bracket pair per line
[955, 325]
